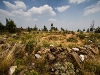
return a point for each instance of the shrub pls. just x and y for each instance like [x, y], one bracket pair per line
[72, 45]
[40, 65]
[46, 44]
[53, 38]
[19, 62]
[65, 68]
[30, 46]
[72, 39]
[17, 70]
[81, 36]
[32, 72]
[89, 66]
[97, 72]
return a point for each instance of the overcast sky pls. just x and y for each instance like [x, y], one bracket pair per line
[69, 14]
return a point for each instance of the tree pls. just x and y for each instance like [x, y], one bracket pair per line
[2, 28]
[45, 28]
[78, 30]
[62, 29]
[29, 29]
[97, 30]
[84, 29]
[87, 30]
[35, 28]
[10, 26]
[51, 24]
[92, 27]
[56, 29]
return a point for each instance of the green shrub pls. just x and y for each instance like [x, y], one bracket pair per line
[65, 68]
[72, 45]
[32, 72]
[53, 38]
[89, 66]
[72, 39]
[81, 36]
[30, 46]
[97, 72]
[40, 65]
[17, 70]
[19, 62]
[46, 44]
[37, 48]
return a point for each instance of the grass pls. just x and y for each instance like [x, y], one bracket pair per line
[36, 42]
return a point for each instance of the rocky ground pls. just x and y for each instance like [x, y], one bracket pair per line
[20, 56]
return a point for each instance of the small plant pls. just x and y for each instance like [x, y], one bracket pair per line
[53, 38]
[97, 72]
[32, 72]
[72, 45]
[30, 46]
[46, 44]
[19, 62]
[17, 70]
[72, 39]
[65, 68]
[40, 65]
[89, 66]
[81, 36]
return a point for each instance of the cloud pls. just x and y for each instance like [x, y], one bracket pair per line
[5, 13]
[55, 20]
[92, 9]
[46, 9]
[63, 8]
[16, 6]
[30, 19]
[35, 19]
[76, 1]
[24, 16]
[52, 20]
[19, 10]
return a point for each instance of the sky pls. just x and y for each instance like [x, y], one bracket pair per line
[68, 14]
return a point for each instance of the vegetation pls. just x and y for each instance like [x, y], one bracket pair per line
[30, 49]
[72, 39]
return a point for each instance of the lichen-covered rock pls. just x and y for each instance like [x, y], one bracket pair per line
[65, 68]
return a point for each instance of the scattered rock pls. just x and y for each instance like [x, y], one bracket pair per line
[37, 56]
[75, 49]
[2, 41]
[87, 46]
[12, 70]
[81, 57]
[50, 56]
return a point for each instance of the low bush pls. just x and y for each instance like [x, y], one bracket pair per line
[81, 36]
[72, 39]
[32, 72]
[30, 46]
[19, 62]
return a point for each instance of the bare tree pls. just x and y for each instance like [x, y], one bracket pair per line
[92, 26]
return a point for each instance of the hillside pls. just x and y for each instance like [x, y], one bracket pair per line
[50, 53]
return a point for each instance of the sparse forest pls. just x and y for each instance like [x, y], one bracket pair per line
[34, 51]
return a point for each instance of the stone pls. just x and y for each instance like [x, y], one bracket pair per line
[37, 56]
[75, 49]
[51, 56]
[12, 70]
[81, 57]
[87, 46]
[2, 41]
